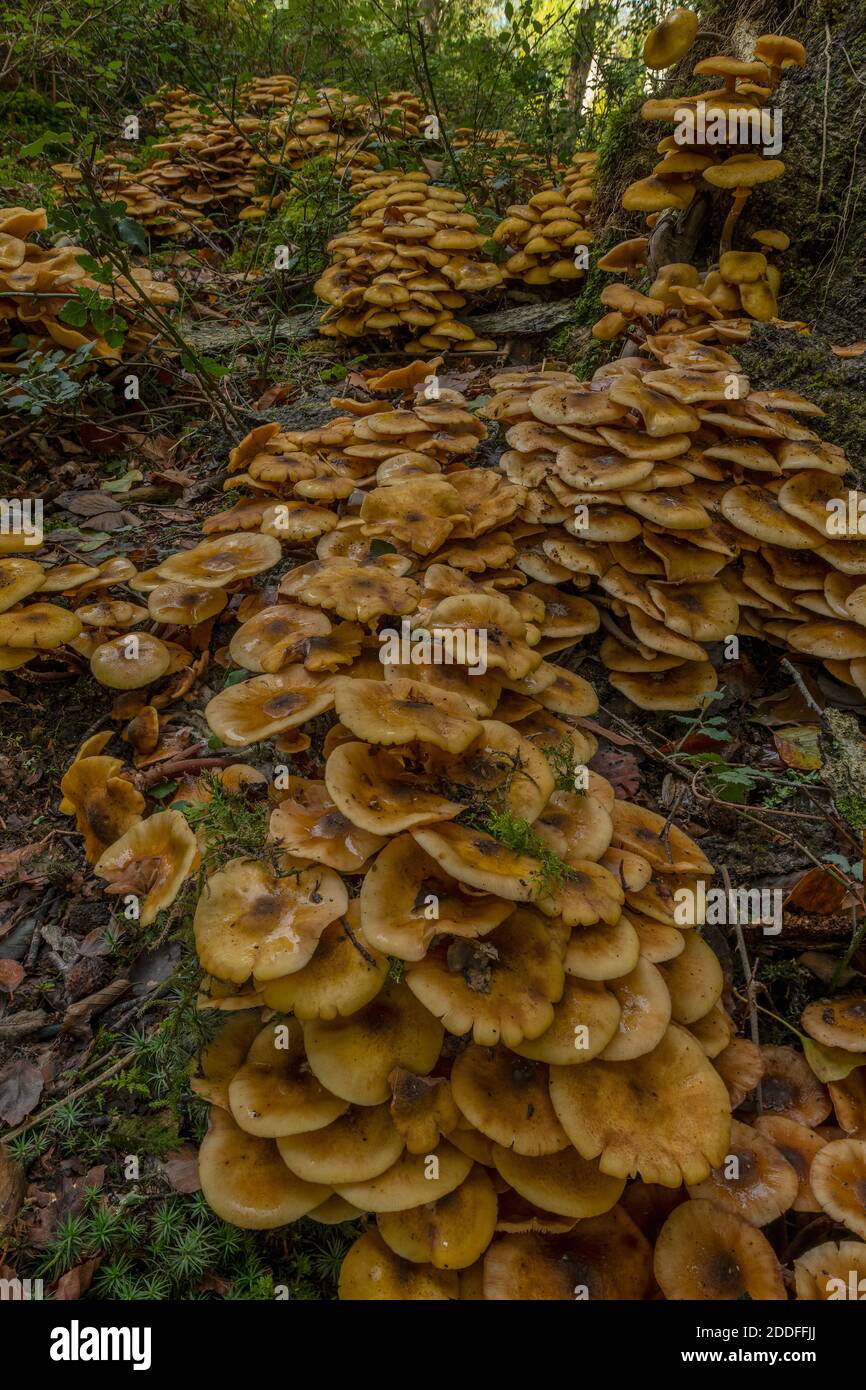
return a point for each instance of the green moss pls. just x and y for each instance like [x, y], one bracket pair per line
[146, 1136]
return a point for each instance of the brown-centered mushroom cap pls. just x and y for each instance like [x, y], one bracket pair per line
[372, 1272]
[603, 1257]
[354, 1056]
[503, 989]
[131, 662]
[398, 712]
[105, 804]
[664, 1116]
[359, 1144]
[224, 560]
[506, 1099]
[308, 824]
[585, 1020]
[245, 1182]
[789, 1087]
[450, 1233]
[250, 920]
[838, 1179]
[704, 1252]
[252, 710]
[838, 1022]
[755, 1181]
[798, 1145]
[817, 1273]
[273, 1093]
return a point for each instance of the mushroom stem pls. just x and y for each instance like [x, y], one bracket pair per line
[740, 197]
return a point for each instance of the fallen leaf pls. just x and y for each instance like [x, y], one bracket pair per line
[11, 975]
[831, 1063]
[181, 1170]
[620, 768]
[818, 891]
[84, 1009]
[75, 1282]
[11, 1189]
[797, 746]
[849, 350]
[13, 862]
[21, 1086]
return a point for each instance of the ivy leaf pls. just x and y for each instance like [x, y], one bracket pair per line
[74, 313]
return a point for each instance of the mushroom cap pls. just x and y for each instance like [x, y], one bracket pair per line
[742, 267]
[224, 1055]
[130, 662]
[105, 805]
[420, 511]
[358, 1145]
[308, 824]
[344, 973]
[695, 979]
[422, 1108]
[703, 611]
[704, 1252]
[664, 1116]
[789, 1087]
[151, 859]
[685, 688]
[376, 792]
[779, 51]
[412, 1181]
[671, 40]
[273, 1093]
[607, 1256]
[474, 858]
[819, 1269]
[506, 1098]
[603, 952]
[184, 605]
[450, 1233]
[402, 711]
[640, 831]
[354, 1056]
[645, 1012]
[245, 1182]
[562, 1182]
[251, 921]
[38, 627]
[222, 561]
[838, 1179]
[372, 1272]
[357, 592]
[502, 990]
[19, 578]
[394, 899]
[252, 710]
[798, 1145]
[838, 1022]
[763, 1184]
[744, 171]
[585, 1020]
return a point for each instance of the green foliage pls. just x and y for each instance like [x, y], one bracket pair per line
[233, 825]
[518, 835]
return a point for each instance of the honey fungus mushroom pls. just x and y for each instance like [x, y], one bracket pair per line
[253, 921]
[245, 1181]
[151, 861]
[704, 1252]
[273, 1093]
[105, 804]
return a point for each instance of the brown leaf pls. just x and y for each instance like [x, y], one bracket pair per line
[88, 503]
[11, 975]
[75, 1282]
[818, 891]
[21, 1086]
[601, 732]
[849, 350]
[11, 1189]
[12, 863]
[84, 1009]
[181, 1170]
[620, 768]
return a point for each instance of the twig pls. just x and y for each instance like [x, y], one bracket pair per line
[801, 685]
[820, 192]
[163, 772]
[749, 976]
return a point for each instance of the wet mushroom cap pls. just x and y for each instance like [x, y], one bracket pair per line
[703, 1252]
[245, 1182]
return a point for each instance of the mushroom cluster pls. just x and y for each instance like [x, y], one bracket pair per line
[410, 260]
[462, 996]
[38, 282]
[541, 238]
[214, 157]
[717, 147]
[695, 508]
